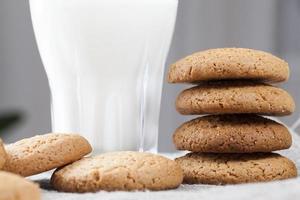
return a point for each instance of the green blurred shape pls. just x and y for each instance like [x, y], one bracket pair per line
[8, 120]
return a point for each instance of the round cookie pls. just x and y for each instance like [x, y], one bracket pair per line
[118, 171]
[231, 97]
[2, 155]
[14, 187]
[235, 168]
[45, 152]
[229, 63]
[236, 133]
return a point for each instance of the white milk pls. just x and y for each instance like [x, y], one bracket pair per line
[105, 62]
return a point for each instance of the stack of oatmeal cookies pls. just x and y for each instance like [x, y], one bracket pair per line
[234, 143]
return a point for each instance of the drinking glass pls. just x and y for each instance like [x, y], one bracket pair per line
[104, 61]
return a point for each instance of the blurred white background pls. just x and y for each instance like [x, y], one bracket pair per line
[269, 25]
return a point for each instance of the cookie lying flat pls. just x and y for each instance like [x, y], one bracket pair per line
[45, 152]
[235, 97]
[118, 171]
[237, 133]
[235, 168]
[229, 63]
[2, 155]
[14, 187]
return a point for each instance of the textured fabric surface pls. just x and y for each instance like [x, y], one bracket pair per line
[288, 189]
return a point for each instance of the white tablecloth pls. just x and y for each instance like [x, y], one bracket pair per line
[288, 189]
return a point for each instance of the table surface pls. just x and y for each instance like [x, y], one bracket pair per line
[288, 189]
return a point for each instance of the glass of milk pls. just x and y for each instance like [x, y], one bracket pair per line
[105, 61]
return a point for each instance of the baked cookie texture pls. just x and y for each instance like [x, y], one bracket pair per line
[15, 187]
[45, 152]
[229, 63]
[235, 168]
[233, 144]
[118, 171]
[231, 97]
[236, 133]
[3, 156]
